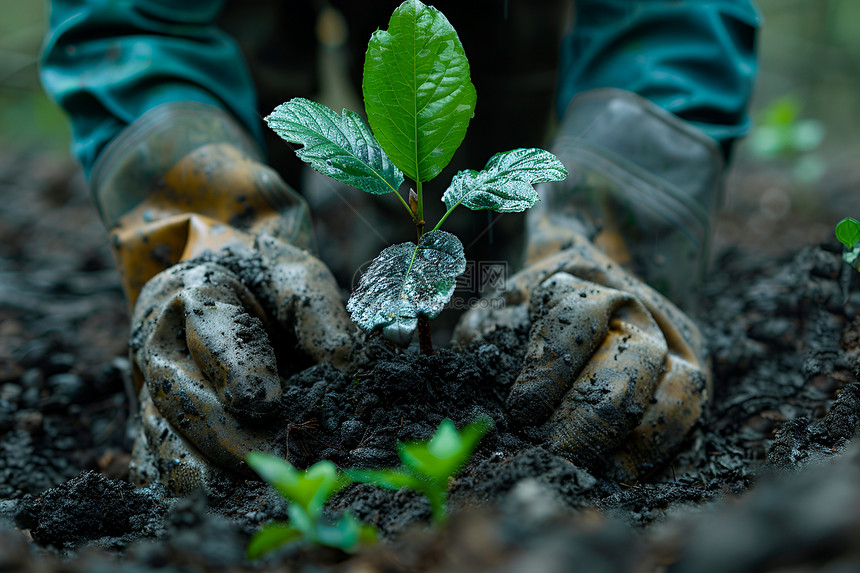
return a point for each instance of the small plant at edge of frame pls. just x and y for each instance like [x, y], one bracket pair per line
[419, 99]
[429, 465]
[307, 492]
[848, 233]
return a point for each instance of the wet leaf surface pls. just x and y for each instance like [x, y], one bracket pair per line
[406, 280]
[505, 185]
[341, 147]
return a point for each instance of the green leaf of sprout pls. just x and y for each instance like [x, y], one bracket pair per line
[427, 465]
[418, 92]
[446, 452]
[782, 111]
[505, 185]
[341, 147]
[406, 280]
[308, 489]
[270, 537]
[446, 442]
[848, 232]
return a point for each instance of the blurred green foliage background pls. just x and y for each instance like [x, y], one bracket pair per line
[28, 119]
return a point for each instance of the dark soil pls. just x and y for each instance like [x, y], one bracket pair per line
[767, 482]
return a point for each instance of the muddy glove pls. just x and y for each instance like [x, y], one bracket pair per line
[210, 245]
[615, 375]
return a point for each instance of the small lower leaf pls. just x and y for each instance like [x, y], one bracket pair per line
[270, 537]
[367, 535]
[406, 280]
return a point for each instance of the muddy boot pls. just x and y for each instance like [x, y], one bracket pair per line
[644, 186]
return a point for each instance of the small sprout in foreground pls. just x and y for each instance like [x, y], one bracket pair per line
[307, 492]
[848, 233]
[429, 465]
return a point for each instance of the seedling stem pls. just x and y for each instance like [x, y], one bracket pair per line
[425, 340]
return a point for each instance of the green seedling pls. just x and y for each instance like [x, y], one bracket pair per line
[780, 133]
[307, 492]
[428, 466]
[848, 233]
[419, 99]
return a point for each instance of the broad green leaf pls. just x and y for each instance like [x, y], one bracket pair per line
[406, 280]
[394, 478]
[270, 537]
[848, 231]
[418, 93]
[322, 480]
[505, 185]
[341, 147]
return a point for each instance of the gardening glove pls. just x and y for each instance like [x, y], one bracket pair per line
[210, 247]
[615, 375]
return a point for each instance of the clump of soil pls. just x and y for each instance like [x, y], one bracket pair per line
[357, 419]
[90, 506]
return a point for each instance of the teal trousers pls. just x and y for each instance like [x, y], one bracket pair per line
[106, 62]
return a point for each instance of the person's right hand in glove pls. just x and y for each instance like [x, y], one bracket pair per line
[615, 375]
[210, 245]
